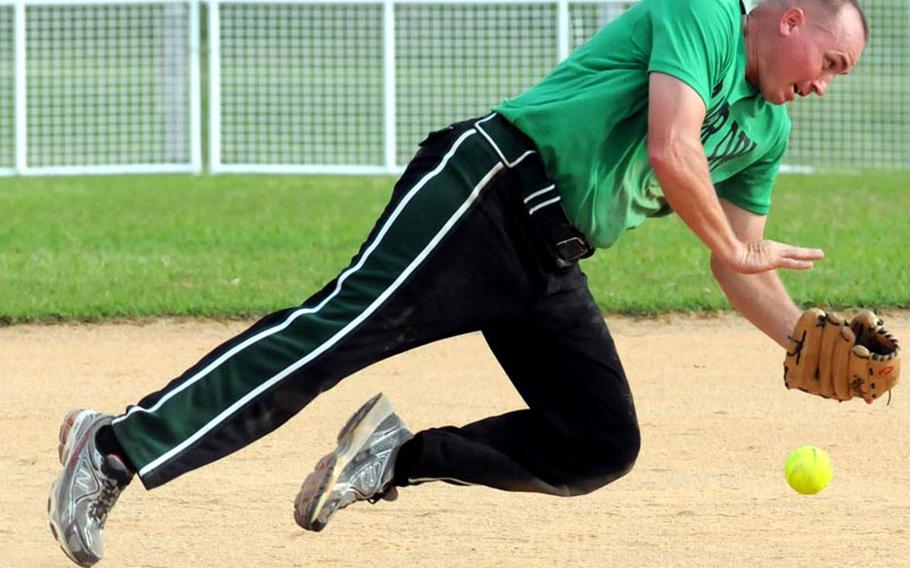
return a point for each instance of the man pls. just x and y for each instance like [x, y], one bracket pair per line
[673, 107]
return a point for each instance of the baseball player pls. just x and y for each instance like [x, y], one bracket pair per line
[676, 106]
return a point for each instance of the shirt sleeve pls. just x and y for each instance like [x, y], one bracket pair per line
[693, 40]
[751, 188]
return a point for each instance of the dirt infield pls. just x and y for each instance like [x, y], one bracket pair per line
[707, 490]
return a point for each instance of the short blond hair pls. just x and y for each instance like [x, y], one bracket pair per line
[829, 7]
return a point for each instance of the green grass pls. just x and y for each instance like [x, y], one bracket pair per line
[93, 248]
[859, 220]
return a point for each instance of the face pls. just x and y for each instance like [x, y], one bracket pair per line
[804, 50]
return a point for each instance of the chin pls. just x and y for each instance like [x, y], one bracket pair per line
[775, 98]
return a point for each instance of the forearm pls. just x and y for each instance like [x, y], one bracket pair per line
[682, 171]
[760, 298]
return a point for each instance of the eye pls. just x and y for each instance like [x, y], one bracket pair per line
[834, 65]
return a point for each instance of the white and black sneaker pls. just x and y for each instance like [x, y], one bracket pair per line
[360, 468]
[90, 484]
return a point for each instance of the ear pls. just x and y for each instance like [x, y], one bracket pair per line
[791, 20]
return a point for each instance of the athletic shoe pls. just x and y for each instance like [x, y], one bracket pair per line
[360, 468]
[84, 493]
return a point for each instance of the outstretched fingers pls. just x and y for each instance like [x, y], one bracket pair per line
[798, 258]
[764, 255]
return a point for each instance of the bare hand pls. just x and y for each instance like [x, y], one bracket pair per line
[764, 255]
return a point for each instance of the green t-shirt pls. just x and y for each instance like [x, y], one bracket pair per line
[589, 117]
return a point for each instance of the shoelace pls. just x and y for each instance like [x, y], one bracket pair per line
[110, 491]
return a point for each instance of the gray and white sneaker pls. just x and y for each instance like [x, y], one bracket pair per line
[360, 468]
[84, 493]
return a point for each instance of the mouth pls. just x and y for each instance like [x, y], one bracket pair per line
[788, 95]
[792, 93]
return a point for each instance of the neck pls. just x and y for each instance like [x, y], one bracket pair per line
[749, 38]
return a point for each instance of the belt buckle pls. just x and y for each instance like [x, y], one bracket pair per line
[572, 249]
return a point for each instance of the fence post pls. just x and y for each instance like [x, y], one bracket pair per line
[214, 88]
[195, 90]
[562, 37]
[388, 78]
[20, 89]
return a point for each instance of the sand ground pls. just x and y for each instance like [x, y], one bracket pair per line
[707, 490]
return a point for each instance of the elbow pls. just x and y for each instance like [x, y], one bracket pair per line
[660, 156]
[666, 157]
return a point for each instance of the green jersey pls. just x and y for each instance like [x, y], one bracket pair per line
[589, 117]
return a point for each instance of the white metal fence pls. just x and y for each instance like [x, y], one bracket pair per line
[7, 89]
[340, 86]
[99, 86]
[351, 86]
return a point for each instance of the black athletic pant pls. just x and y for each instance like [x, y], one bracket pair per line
[458, 249]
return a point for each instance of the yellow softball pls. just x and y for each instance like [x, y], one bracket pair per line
[808, 470]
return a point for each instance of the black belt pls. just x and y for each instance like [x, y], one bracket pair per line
[538, 193]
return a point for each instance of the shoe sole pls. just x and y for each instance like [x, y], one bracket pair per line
[314, 494]
[71, 423]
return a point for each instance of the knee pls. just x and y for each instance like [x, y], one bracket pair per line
[631, 446]
[609, 458]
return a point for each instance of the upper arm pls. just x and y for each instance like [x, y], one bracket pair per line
[675, 114]
[691, 48]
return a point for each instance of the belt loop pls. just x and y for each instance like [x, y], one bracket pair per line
[539, 195]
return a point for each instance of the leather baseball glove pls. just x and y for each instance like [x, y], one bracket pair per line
[835, 359]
